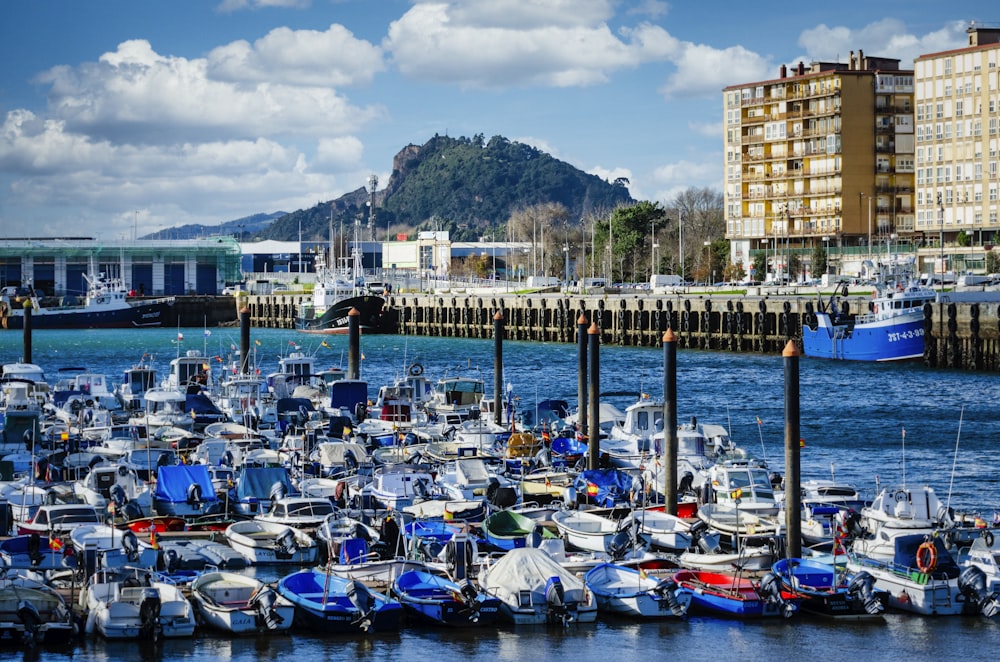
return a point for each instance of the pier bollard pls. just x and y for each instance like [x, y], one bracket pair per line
[670, 421]
[354, 344]
[498, 407]
[245, 340]
[594, 440]
[793, 474]
[581, 373]
[29, 306]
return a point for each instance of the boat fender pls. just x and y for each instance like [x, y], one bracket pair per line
[926, 557]
[988, 538]
[875, 308]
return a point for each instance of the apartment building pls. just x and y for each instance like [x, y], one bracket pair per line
[821, 155]
[958, 151]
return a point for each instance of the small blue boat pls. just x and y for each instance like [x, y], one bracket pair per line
[440, 601]
[827, 591]
[331, 604]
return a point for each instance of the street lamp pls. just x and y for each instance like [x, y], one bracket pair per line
[708, 256]
[826, 252]
[941, 222]
[680, 241]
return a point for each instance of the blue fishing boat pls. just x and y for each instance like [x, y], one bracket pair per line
[441, 601]
[891, 329]
[330, 604]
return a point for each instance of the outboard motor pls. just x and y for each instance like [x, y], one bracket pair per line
[619, 545]
[666, 591]
[35, 549]
[364, 602]
[972, 583]
[686, 484]
[770, 592]
[194, 495]
[172, 560]
[149, 615]
[263, 602]
[132, 510]
[285, 544]
[470, 600]
[130, 545]
[697, 531]
[117, 495]
[555, 598]
[32, 622]
[862, 587]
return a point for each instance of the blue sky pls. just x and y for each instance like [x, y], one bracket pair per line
[120, 114]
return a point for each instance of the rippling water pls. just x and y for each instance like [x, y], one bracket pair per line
[852, 418]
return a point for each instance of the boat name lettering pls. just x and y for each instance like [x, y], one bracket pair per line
[905, 335]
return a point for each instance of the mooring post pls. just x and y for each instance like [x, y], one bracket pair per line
[354, 344]
[245, 340]
[670, 421]
[793, 475]
[581, 373]
[594, 437]
[498, 403]
[29, 307]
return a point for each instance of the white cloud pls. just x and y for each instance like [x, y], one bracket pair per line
[704, 71]
[885, 38]
[298, 57]
[611, 174]
[339, 154]
[493, 45]
[136, 94]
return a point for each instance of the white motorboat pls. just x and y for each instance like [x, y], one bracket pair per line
[631, 592]
[130, 604]
[240, 604]
[270, 543]
[591, 532]
[104, 546]
[534, 590]
[923, 578]
[298, 511]
[898, 511]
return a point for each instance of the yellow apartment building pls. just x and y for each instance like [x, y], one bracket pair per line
[823, 155]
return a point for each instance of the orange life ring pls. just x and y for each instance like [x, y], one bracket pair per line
[926, 557]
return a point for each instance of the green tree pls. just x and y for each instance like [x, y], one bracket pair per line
[630, 230]
[992, 262]
[819, 261]
[759, 266]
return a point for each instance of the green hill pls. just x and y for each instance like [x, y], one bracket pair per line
[463, 185]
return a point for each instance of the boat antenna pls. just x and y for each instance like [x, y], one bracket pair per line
[760, 431]
[954, 461]
[904, 458]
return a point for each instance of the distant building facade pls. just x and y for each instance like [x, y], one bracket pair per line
[958, 149]
[56, 266]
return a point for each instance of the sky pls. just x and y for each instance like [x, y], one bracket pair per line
[121, 118]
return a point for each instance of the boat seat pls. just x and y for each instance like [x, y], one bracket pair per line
[354, 550]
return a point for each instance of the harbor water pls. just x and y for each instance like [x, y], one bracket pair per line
[853, 418]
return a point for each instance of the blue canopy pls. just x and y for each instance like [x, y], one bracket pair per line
[603, 487]
[906, 555]
[256, 482]
[173, 481]
[347, 393]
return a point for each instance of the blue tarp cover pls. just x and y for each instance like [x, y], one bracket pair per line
[173, 482]
[257, 481]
